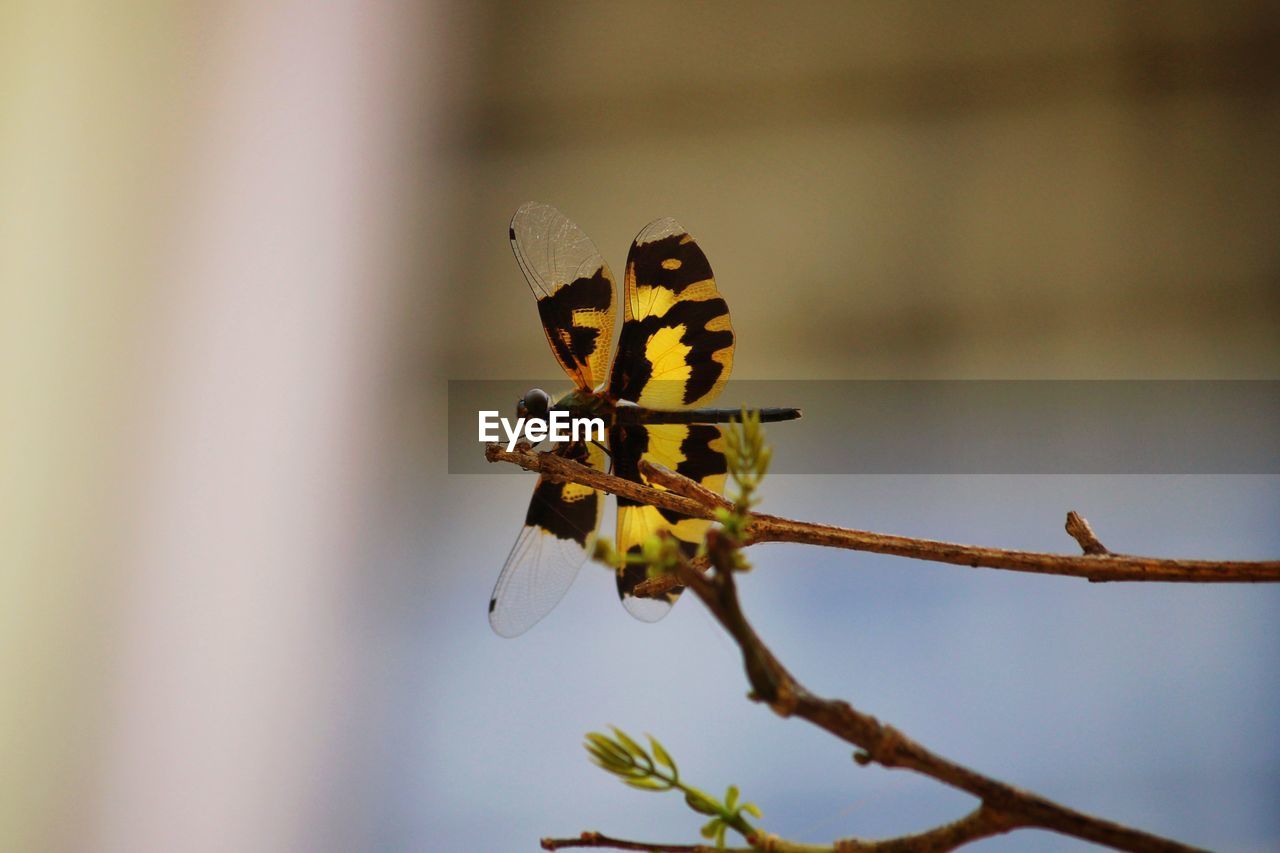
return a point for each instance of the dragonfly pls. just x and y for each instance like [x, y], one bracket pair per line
[674, 355]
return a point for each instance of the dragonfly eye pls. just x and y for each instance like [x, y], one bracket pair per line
[536, 404]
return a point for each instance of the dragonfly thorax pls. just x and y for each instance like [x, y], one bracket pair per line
[585, 404]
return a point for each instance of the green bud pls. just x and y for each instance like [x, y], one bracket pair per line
[631, 746]
[700, 802]
[609, 753]
[662, 755]
[731, 797]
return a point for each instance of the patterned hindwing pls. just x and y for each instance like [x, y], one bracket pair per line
[676, 348]
[559, 532]
[574, 289]
[696, 451]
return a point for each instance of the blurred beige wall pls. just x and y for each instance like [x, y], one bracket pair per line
[88, 115]
[994, 189]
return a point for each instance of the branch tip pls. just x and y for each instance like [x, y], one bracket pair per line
[1080, 531]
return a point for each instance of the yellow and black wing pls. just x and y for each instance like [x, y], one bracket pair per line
[559, 532]
[676, 347]
[694, 450]
[574, 289]
[675, 352]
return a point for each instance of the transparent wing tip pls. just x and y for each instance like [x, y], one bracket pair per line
[658, 229]
[646, 609]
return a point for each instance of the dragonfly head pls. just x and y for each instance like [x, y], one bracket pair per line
[536, 403]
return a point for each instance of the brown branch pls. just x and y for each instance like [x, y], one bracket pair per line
[558, 468]
[982, 822]
[1005, 805]
[680, 484]
[1095, 567]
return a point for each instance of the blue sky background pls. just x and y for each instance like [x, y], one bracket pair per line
[1152, 705]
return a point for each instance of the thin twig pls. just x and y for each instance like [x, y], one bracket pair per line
[773, 684]
[558, 468]
[1095, 567]
[663, 476]
[982, 822]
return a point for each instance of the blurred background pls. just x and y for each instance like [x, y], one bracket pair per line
[244, 246]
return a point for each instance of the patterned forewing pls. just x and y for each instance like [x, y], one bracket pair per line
[697, 452]
[573, 286]
[676, 347]
[558, 534]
